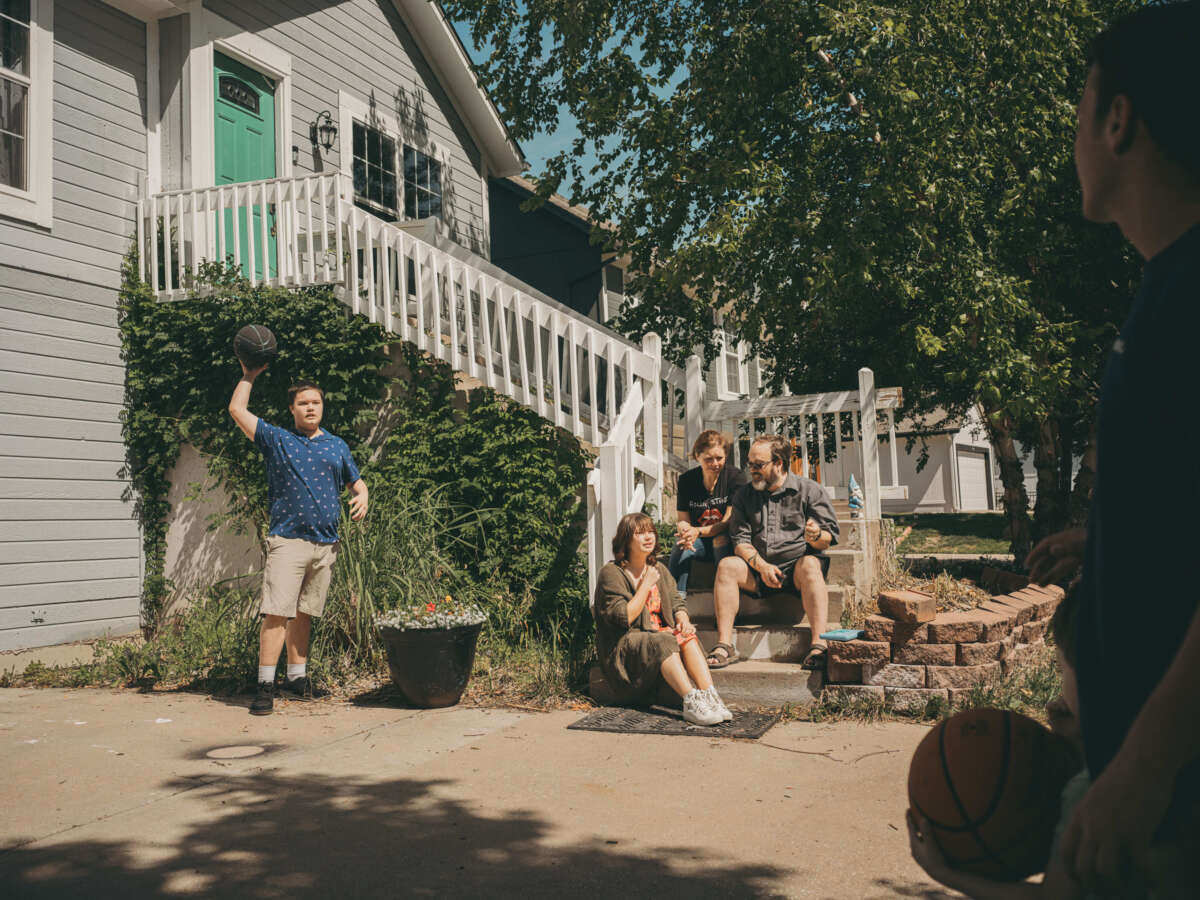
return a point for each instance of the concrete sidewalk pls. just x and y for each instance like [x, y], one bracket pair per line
[116, 793]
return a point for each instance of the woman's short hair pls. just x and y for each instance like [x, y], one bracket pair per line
[709, 438]
[631, 524]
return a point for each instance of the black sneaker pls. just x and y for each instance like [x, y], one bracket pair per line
[263, 703]
[301, 689]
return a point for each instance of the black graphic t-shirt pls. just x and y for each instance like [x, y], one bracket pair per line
[707, 507]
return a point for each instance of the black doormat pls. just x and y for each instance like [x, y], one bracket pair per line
[664, 720]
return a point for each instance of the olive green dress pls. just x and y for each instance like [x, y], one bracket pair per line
[631, 656]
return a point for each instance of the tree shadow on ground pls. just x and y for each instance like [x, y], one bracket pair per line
[891, 887]
[269, 835]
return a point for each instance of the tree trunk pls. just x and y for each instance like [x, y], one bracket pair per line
[1016, 501]
[1050, 509]
[1085, 480]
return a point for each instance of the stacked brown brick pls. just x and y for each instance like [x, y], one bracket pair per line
[910, 653]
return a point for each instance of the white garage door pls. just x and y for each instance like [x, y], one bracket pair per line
[973, 479]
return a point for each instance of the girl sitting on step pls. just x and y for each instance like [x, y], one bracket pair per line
[643, 634]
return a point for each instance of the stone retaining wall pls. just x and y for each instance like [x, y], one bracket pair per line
[911, 662]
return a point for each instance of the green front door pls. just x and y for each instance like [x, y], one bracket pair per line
[244, 136]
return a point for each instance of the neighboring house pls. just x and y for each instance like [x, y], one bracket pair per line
[110, 104]
[960, 475]
[550, 248]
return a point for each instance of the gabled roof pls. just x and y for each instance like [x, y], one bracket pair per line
[435, 35]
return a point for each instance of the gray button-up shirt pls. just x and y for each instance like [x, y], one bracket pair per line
[773, 521]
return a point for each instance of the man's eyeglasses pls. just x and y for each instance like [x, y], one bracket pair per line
[757, 466]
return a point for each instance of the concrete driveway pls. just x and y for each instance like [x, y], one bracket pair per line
[121, 794]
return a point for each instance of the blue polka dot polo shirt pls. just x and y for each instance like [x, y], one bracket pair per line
[305, 477]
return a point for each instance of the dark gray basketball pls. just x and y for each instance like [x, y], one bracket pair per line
[255, 345]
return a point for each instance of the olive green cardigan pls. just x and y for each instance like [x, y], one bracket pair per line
[611, 602]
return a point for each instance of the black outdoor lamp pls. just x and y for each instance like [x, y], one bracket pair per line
[322, 131]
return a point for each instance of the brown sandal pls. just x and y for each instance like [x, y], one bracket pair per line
[816, 657]
[728, 656]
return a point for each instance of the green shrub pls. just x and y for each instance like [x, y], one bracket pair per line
[414, 435]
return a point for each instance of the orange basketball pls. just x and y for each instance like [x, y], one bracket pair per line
[989, 783]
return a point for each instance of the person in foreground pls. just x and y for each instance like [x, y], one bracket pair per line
[1137, 152]
[643, 632]
[702, 508]
[781, 526]
[307, 468]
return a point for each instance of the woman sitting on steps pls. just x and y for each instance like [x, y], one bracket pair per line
[643, 632]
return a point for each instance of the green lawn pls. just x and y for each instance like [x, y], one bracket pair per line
[951, 533]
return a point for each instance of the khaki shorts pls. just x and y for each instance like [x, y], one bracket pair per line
[296, 577]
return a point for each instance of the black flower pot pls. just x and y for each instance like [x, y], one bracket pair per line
[431, 666]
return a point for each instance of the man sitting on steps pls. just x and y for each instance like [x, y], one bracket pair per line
[781, 526]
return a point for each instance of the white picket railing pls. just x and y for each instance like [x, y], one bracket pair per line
[575, 373]
[817, 425]
[283, 232]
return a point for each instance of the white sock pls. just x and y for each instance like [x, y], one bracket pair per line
[266, 674]
[296, 670]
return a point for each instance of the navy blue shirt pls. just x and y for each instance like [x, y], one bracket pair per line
[305, 477]
[1138, 594]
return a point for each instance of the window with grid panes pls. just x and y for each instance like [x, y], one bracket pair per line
[422, 184]
[374, 169]
[14, 93]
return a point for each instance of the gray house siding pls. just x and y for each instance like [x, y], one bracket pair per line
[363, 47]
[70, 554]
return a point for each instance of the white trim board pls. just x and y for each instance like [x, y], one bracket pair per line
[208, 32]
[351, 107]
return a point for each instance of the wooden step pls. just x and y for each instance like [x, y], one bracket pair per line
[774, 684]
[784, 609]
[844, 565]
[763, 643]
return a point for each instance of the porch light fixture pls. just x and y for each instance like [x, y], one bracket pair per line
[322, 131]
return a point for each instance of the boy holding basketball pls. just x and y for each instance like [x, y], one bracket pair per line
[307, 468]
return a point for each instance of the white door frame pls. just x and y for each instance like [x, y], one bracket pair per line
[208, 32]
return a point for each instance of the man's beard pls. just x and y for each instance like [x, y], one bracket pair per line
[760, 485]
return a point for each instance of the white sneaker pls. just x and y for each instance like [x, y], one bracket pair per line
[698, 709]
[718, 704]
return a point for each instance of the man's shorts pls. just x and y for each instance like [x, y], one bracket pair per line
[296, 577]
[789, 572]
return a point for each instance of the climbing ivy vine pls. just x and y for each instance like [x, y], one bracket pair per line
[401, 412]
